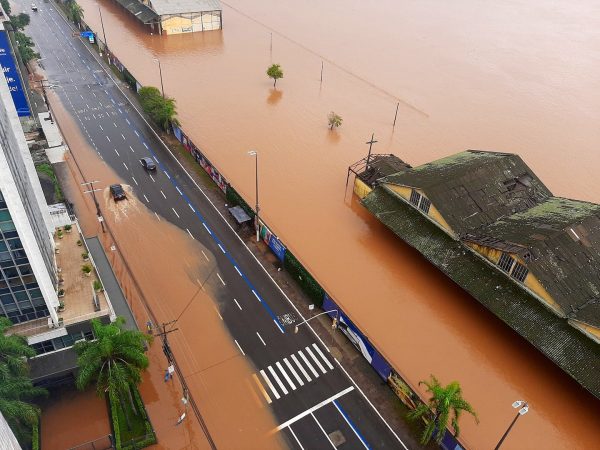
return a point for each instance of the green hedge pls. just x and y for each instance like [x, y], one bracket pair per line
[35, 437]
[147, 439]
[235, 199]
[308, 284]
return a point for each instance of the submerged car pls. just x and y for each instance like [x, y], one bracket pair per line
[117, 192]
[148, 163]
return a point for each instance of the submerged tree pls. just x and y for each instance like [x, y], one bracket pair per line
[16, 388]
[114, 360]
[162, 110]
[444, 408]
[275, 72]
[334, 120]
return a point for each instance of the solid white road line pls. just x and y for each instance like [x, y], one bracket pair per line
[221, 279]
[295, 437]
[157, 216]
[134, 180]
[175, 212]
[148, 201]
[127, 168]
[261, 388]
[275, 393]
[178, 190]
[221, 247]
[191, 207]
[281, 385]
[117, 153]
[316, 347]
[287, 423]
[324, 432]
[312, 369]
[256, 295]
[285, 375]
[312, 355]
[238, 305]
[204, 254]
[236, 343]
[218, 313]
[207, 229]
[163, 194]
[296, 376]
[308, 378]
[351, 426]
[238, 270]
[190, 233]
[261, 339]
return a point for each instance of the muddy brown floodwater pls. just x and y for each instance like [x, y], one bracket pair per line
[167, 265]
[518, 76]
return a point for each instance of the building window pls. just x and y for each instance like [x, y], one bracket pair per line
[425, 205]
[506, 262]
[520, 272]
[415, 197]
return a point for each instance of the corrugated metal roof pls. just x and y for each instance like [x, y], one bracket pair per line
[140, 11]
[165, 7]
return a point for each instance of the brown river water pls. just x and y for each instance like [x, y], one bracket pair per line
[516, 76]
[168, 266]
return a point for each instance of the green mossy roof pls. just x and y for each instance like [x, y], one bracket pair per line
[571, 350]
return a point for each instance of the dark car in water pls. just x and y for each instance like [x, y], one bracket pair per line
[117, 192]
[148, 163]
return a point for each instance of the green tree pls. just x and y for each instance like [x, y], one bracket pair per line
[334, 120]
[5, 6]
[114, 360]
[74, 12]
[25, 47]
[162, 111]
[444, 408]
[275, 72]
[20, 21]
[16, 389]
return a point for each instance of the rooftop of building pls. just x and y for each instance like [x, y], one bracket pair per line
[140, 11]
[379, 166]
[166, 7]
[475, 188]
[567, 347]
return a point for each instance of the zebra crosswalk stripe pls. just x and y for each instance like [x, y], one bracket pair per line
[298, 379]
[281, 385]
[308, 378]
[285, 375]
[316, 347]
[312, 355]
[275, 393]
[312, 369]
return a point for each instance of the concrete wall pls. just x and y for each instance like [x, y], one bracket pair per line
[361, 189]
[191, 22]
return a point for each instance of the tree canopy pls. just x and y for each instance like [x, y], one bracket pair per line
[74, 12]
[334, 120]
[16, 389]
[20, 21]
[444, 408]
[275, 72]
[162, 110]
[25, 47]
[5, 6]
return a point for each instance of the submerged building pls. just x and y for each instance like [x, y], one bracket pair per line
[490, 224]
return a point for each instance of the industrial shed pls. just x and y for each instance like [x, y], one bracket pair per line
[187, 16]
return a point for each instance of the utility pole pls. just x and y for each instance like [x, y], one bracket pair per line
[371, 142]
[102, 23]
[90, 184]
[396, 115]
[162, 88]
[257, 220]
[321, 71]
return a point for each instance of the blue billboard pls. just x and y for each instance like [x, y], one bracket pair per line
[7, 62]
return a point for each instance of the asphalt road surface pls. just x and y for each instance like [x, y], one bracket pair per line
[308, 391]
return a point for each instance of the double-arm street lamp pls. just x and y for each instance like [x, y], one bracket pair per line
[256, 219]
[333, 325]
[523, 408]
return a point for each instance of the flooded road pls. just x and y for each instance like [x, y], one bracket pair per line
[518, 76]
[167, 266]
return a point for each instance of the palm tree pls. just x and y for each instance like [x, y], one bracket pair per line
[445, 401]
[114, 360]
[334, 120]
[16, 388]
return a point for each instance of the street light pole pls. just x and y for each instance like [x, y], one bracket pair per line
[102, 23]
[524, 408]
[335, 321]
[90, 184]
[256, 218]
[162, 88]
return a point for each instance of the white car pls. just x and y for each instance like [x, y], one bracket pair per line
[33, 7]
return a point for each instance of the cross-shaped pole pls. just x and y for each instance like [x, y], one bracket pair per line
[371, 142]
